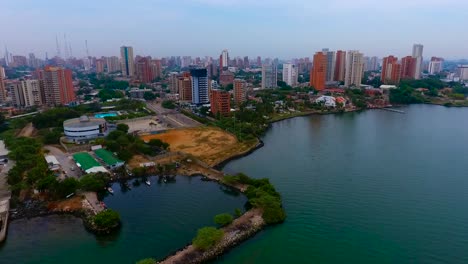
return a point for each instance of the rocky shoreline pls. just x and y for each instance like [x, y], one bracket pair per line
[240, 230]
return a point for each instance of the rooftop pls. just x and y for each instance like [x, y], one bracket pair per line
[85, 161]
[107, 157]
[3, 150]
[84, 121]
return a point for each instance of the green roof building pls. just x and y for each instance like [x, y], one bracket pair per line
[108, 158]
[87, 163]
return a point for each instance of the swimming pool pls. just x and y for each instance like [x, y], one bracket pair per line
[102, 115]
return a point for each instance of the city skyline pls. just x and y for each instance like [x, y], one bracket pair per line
[162, 28]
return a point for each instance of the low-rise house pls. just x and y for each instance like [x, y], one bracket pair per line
[328, 101]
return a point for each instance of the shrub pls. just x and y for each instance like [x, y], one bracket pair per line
[207, 237]
[107, 219]
[223, 219]
[147, 261]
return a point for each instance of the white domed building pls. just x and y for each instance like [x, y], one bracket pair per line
[84, 128]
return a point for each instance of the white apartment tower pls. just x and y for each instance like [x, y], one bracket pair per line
[290, 74]
[354, 68]
[418, 55]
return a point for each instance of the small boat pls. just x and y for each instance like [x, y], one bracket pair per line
[109, 189]
[147, 182]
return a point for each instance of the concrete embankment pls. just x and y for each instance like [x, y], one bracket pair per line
[240, 230]
[4, 207]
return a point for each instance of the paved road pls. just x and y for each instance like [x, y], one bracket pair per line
[172, 117]
[65, 160]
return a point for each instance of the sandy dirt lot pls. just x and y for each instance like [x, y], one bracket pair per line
[209, 144]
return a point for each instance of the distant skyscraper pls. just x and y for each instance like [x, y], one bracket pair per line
[354, 68]
[3, 94]
[57, 86]
[435, 65]
[99, 66]
[246, 62]
[224, 59]
[418, 55]
[391, 70]
[2, 72]
[269, 76]
[463, 72]
[199, 86]
[290, 74]
[340, 66]
[374, 64]
[143, 70]
[259, 61]
[113, 64]
[408, 66]
[156, 69]
[318, 74]
[127, 59]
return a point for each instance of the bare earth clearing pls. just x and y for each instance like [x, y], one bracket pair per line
[210, 144]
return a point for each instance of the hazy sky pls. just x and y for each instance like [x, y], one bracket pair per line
[270, 28]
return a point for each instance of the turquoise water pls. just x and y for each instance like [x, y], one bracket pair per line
[156, 220]
[368, 187]
[102, 115]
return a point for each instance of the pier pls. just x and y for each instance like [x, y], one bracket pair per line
[392, 110]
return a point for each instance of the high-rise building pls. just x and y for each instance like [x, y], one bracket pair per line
[2, 72]
[391, 70]
[226, 78]
[199, 86]
[246, 62]
[57, 86]
[185, 87]
[220, 101]
[330, 65]
[259, 61]
[3, 94]
[418, 55]
[99, 66]
[290, 74]
[463, 72]
[340, 66]
[373, 64]
[127, 59]
[20, 61]
[240, 95]
[186, 61]
[408, 66]
[156, 69]
[435, 65]
[269, 76]
[173, 82]
[224, 59]
[143, 70]
[318, 74]
[354, 68]
[113, 64]
[26, 93]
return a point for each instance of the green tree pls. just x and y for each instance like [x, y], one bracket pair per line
[207, 237]
[123, 127]
[93, 182]
[169, 104]
[237, 212]
[107, 219]
[66, 187]
[149, 96]
[223, 219]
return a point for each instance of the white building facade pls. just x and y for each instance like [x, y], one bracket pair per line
[290, 74]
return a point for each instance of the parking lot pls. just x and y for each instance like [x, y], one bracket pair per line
[66, 161]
